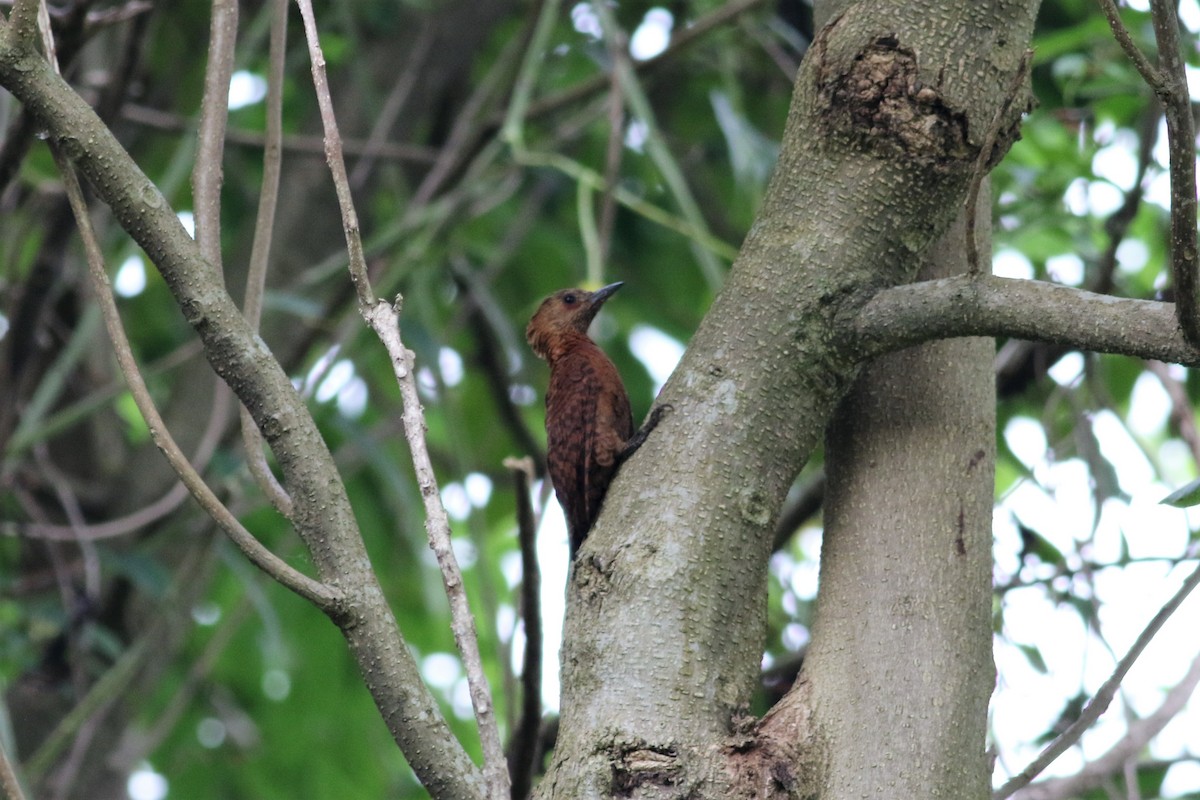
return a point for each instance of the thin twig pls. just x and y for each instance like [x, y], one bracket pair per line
[523, 749]
[384, 319]
[396, 100]
[806, 504]
[1147, 70]
[983, 161]
[1125, 751]
[336, 160]
[1100, 702]
[260, 251]
[207, 172]
[1183, 414]
[1169, 82]
[8, 777]
[319, 594]
[298, 143]
[462, 143]
[121, 526]
[491, 355]
[614, 152]
[683, 36]
[1181, 148]
[656, 147]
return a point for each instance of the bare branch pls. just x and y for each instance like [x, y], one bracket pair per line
[319, 594]
[984, 162]
[1100, 702]
[1183, 414]
[1181, 147]
[1169, 82]
[1147, 70]
[985, 305]
[1124, 752]
[323, 516]
[384, 319]
[298, 143]
[336, 160]
[396, 99]
[208, 172]
[260, 251]
[681, 38]
[523, 749]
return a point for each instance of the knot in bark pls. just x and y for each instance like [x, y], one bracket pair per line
[881, 103]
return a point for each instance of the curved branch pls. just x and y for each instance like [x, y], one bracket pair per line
[323, 516]
[1147, 728]
[985, 305]
[319, 594]
[1134, 742]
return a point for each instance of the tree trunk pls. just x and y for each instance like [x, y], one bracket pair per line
[901, 658]
[665, 618]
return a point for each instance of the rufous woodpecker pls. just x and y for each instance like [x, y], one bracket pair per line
[589, 425]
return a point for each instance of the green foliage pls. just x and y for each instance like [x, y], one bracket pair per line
[255, 685]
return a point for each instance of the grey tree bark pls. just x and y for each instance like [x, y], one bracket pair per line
[665, 614]
[903, 636]
[666, 610]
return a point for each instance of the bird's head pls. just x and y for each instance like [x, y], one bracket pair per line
[563, 315]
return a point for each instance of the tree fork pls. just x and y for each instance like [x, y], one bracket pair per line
[888, 115]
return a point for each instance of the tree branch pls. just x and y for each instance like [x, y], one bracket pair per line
[384, 319]
[1137, 737]
[323, 516]
[208, 172]
[1100, 702]
[523, 748]
[1181, 147]
[1169, 82]
[985, 305]
[260, 250]
[319, 594]
[984, 163]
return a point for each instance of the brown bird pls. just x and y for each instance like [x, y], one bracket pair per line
[589, 426]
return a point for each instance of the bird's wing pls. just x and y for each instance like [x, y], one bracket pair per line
[588, 422]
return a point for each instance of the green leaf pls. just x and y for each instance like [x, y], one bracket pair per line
[1185, 496]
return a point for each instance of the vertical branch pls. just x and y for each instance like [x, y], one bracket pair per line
[336, 160]
[1181, 146]
[613, 153]
[384, 319]
[207, 174]
[1169, 82]
[260, 252]
[984, 162]
[660, 154]
[523, 749]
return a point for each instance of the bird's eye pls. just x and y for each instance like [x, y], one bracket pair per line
[569, 299]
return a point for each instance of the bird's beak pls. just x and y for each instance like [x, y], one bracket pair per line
[602, 294]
